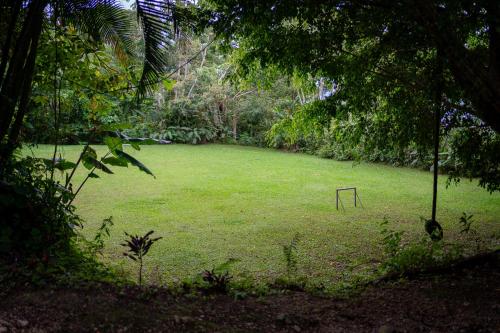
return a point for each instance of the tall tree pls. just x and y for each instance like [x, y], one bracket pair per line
[396, 40]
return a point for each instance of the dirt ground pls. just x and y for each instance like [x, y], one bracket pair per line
[461, 300]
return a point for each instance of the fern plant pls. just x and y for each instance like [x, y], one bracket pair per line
[290, 253]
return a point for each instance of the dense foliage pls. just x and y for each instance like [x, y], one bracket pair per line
[204, 102]
[37, 217]
[349, 80]
[40, 234]
[201, 100]
[395, 64]
[44, 46]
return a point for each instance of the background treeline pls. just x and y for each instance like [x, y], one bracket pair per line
[214, 94]
[200, 101]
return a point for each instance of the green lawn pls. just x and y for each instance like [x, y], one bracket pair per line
[215, 202]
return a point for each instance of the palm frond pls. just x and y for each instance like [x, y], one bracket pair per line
[108, 21]
[158, 23]
[104, 20]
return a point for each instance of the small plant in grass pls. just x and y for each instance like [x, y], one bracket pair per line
[290, 254]
[138, 247]
[465, 222]
[391, 239]
[218, 278]
[413, 257]
[466, 229]
[96, 245]
[246, 286]
[217, 281]
[290, 281]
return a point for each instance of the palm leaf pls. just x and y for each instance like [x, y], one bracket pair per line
[160, 21]
[157, 22]
[105, 21]
[108, 21]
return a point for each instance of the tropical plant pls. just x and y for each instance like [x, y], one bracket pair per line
[107, 21]
[217, 281]
[93, 88]
[38, 220]
[96, 245]
[218, 278]
[465, 222]
[138, 247]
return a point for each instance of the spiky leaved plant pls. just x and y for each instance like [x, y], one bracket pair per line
[138, 247]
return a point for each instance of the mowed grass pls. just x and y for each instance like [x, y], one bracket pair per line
[215, 202]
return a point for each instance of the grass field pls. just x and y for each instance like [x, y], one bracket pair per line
[215, 202]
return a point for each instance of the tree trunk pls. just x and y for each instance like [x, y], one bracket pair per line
[437, 122]
[439, 89]
[235, 124]
[16, 87]
[8, 39]
[25, 97]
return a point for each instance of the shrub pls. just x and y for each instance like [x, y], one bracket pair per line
[404, 259]
[39, 231]
[38, 225]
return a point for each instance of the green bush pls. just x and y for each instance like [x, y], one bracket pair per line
[37, 222]
[39, 238]
[408, 258]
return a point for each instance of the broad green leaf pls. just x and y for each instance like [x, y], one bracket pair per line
[64, 165]
[60, 164]
[135, 162]
[48, 162]
[113, 143]
[87, 157]
[115, 161]
[86, 163]
[93, 175]
[168, 84]
[94, 163]
[135, 145]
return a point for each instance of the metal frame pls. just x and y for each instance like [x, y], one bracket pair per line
[337, 198]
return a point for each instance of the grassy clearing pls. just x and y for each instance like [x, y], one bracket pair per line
[215, 202]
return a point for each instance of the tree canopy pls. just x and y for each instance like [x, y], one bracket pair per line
[377, 44]
[395, 65]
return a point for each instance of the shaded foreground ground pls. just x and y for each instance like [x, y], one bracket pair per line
[463, 300]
